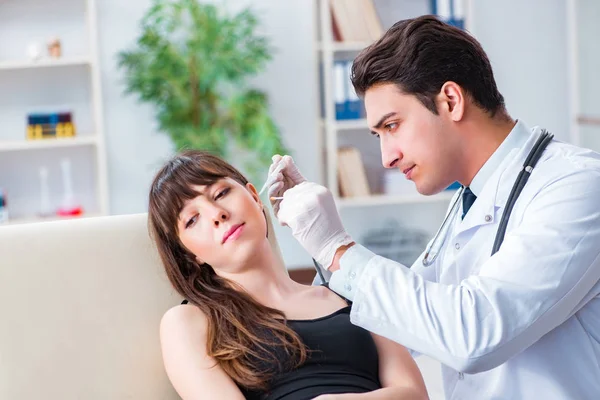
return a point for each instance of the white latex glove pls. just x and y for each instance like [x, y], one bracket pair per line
[310, 211]
[286, 178]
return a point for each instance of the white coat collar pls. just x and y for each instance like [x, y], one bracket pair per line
[506, 162]
[515, 140]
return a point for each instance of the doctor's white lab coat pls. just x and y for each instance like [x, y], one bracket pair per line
[522, 324]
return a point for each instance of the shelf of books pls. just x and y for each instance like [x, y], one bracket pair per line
[52, 143]
[351, 157]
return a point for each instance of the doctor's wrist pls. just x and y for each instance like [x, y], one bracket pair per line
[335, 264]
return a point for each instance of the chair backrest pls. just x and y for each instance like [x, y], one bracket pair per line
[81, 301]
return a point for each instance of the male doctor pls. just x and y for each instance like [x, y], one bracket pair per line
[521, 324]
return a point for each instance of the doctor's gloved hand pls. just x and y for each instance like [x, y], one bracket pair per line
[286, 176]
[309, 210]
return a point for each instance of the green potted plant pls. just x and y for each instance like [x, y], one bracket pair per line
[192, 62]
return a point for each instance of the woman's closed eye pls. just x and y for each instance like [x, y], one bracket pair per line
[222, 193]
[191, 221]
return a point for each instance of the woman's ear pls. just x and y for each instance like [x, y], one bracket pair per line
[254, 193]
[256, 197]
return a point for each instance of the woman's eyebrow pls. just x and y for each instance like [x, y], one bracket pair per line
[200, 193]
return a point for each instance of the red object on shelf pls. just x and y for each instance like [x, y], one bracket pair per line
[69, 212]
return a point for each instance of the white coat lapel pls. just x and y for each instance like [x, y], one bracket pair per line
[489, 205]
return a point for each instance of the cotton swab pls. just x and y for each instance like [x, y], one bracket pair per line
[271, 178]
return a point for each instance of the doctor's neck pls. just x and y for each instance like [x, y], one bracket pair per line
[482, 135]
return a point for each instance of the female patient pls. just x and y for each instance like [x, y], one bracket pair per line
[249, 331]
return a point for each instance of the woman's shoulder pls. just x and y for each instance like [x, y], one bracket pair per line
[184, 320]
[316, 301]
[323, 291]
[183, 340]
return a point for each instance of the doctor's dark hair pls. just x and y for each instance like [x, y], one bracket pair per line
[244, 336]
[419, 55]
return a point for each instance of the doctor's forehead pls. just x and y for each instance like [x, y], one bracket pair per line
[383, 101]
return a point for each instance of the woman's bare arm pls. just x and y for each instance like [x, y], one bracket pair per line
[195, 375]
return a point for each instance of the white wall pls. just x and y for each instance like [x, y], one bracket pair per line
[587, 56]
[527, 44]
[525, 41]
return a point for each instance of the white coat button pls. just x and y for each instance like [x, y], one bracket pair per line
[352, 275]
[348, 288]
[457, 246]
[488, 218]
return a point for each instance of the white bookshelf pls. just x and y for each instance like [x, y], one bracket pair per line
[347, 125]
[45, 63]
[31, 219]
[333, 133]
[404, 199]
[20, 145]
[33, 84]
[341, 46]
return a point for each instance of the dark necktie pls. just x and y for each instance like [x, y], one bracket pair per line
[468, 198]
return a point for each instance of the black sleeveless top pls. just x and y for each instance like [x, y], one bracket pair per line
[342, 358]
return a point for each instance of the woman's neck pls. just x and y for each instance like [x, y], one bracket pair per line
[266, 278]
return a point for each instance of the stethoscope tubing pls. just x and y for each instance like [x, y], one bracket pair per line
[532, 158]
[530, 162]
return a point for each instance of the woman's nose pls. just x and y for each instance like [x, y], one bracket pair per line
[220, 216]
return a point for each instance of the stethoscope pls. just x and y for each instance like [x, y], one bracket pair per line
[436, 245]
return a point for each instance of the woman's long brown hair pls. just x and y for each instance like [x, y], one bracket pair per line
[249, 340]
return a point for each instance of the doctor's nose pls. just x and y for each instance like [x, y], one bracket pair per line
[390, 157]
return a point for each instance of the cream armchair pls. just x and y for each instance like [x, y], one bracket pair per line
[80, 302]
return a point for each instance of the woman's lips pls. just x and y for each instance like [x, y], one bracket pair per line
[233, 233]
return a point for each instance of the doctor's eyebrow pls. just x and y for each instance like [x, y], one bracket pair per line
[379, 124]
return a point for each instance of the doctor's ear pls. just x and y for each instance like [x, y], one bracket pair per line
[451, 101]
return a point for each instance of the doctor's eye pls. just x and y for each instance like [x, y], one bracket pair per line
[391, 126]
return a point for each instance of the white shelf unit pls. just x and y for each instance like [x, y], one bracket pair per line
[19, 145]
[75, 21]
[341, 46]
[334, 132]
[407, 199]
[347, 125]
[44, 63]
